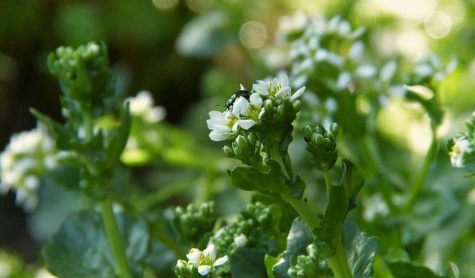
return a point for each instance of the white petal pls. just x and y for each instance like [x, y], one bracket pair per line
[221, 261]
[388, 71]
[256, 100]
[357, 33]
[283, 92]
[221, 128]
[297, 94]
[246, 124]
[283, 78]
[261, 88]
[366, 71]
[452, 65]
[210, 251]
[216, 114]
[240, 107]
[218, 136]
[235, 126]
[343, 80]
[344, 28]
[240, 240]
[241, 87]
[356, 51]
[203, 270]
[263, 111]
[194, 256]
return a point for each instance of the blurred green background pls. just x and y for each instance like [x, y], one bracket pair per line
[191, 54]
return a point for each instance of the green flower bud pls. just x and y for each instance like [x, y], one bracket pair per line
[194, 223]
[308, 131]
[242, 142]
[252, 138]
[318, 139]
[320, 130]
[280, 109]
[335, 129]
[268, 106]
[239, 153]
[297, 104]
[228, 151]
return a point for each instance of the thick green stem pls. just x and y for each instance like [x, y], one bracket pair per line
[338, 263]
[303, 210]
[115, 241]
[423, 171]
[328, 181]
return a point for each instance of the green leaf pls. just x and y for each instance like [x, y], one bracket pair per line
[401, 269]
[117, 144]
[360, 250]
[251, 179]
[248, 263]
[79, 249]
[300, 236]
[269, 262]
[61, 133]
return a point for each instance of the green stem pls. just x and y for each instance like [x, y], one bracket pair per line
[338, 263]
[328, 181]
[164, 193]
[276, 155]
[115, 241]
[422, 174]
[303, 210]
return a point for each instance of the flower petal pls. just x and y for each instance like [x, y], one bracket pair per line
[246, 124]
[218, 136]
[297, 94]
[210, 251]
[221, 261]
[256, 100]
[194, 255]
[263, 111]
[203, 270]
[241, 87]
[240, 107]
[283, 92]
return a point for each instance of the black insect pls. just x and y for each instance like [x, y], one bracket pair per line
[241, 93]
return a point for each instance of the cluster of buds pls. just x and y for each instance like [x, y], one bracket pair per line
[28, 156]
[270, 104]
[321, 144]
[245, 148]
[200, 263]
[461, 148]
[193, 223]
[258, 219]
[308, 266]
[84, 76]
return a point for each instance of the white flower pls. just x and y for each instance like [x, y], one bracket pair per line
[142, 105]
[356, 51]
[244, 114]
[240, 241]
[25, 159]
[344, 80]
[205, 260]
[387, 71]
[366, 71]
[461, 147]
[431, 66]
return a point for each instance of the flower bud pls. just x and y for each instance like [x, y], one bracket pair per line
[297, 104]
[318, 139]
[320, 130]
[268, 106]
[335, 129]
[252, 138]
[242, 142]
[228, 151]
[308, 131]
[239, 153]
[328, 143]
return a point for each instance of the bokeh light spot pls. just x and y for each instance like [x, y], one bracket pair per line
[438, 25]
[253, 34]
[165, 5]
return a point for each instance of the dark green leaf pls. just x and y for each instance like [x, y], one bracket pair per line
[117, 144]
[359, 250]
[61, 133]
[79, 249]
[248, 263]
[300, 236]
[401, 269]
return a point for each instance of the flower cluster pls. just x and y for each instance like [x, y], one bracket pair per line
[461, 148]
[321, 144]
[430, 68]
[193, 223]
[25, 159]
[202, 262]
[308, 266]
[248, 109]
[142, 106]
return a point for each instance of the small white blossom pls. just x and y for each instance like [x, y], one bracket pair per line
[459, 150]
[27, 156]
[356, 51]
[241, 240]
[205, 260]
[142, 105]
